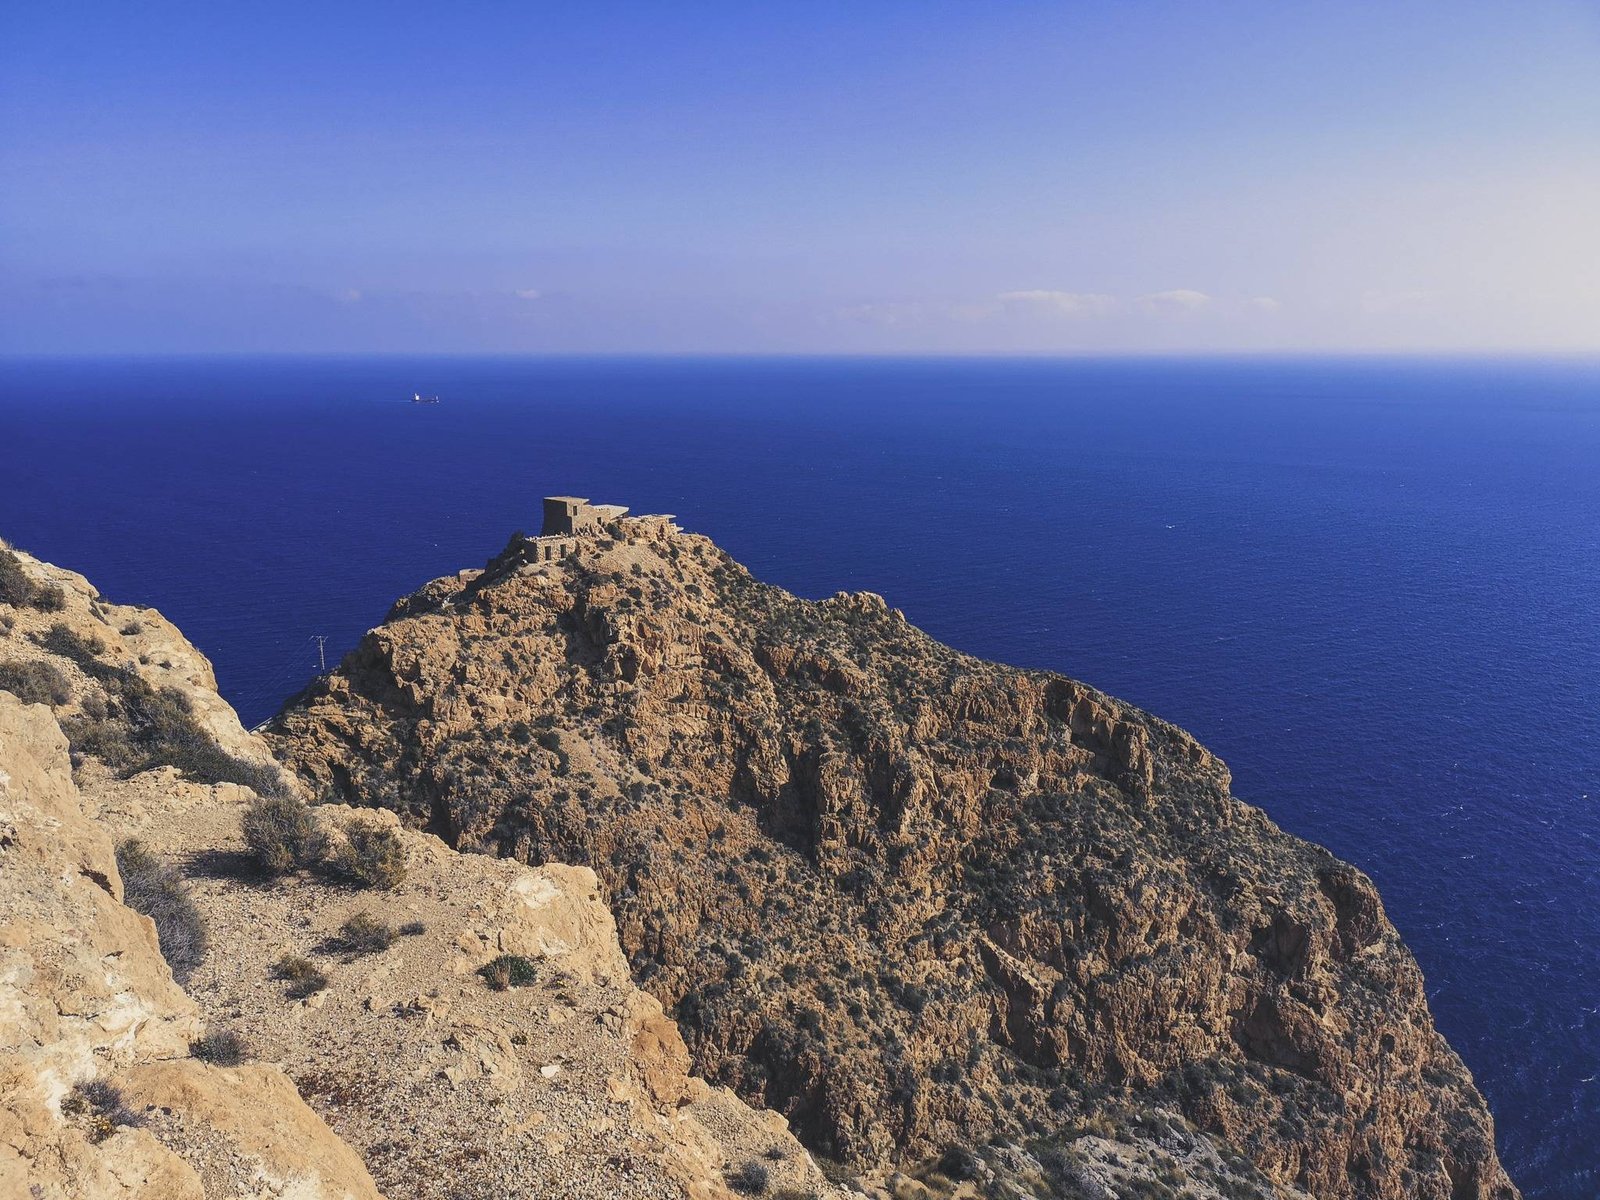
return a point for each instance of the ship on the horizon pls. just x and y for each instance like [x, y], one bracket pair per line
[419, 398]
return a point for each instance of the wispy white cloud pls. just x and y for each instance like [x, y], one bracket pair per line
[1177, 300]
[1066, 304]
[1265, 304]
[527, 293]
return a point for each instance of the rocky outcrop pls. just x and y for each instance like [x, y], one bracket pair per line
[904, 897]
[99, 1093]
[571, 1083]
[1120, 1152]
[403, 1071]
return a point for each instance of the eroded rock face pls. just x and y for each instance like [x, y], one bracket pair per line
[905, 897]
[573, 1083]
[1117, 1153]
[403, 1063]
[86, 998]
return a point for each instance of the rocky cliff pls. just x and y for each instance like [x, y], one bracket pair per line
[100, 1094]
[392, 1068]
[909, 899]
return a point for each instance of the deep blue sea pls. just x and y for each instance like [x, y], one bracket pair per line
[1373, 586]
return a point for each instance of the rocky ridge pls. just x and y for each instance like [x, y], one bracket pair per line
[404, 1075]
[905, 897]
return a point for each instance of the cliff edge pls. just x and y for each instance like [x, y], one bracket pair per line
[465, 1027]
[911, 900]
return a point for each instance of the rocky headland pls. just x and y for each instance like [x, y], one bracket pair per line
[965, 930]
[243, 1041]
[984, 926]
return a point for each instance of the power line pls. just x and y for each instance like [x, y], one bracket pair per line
[274, 689]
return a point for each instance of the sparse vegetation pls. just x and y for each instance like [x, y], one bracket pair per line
[283, 835]
[152, 887]
[364, 933]
[750, 1179]
[961, 1164]
[134, 726]
[413, 929]
[67, 642]
[220, 1048]
[34, 682]
[18, 590]
[303, 976]
[508, 971]
[983, 823]
[373, 854]
[100, 1105]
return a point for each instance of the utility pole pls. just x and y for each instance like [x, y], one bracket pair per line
[321, 639]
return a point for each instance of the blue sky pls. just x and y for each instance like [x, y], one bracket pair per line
[868, 178]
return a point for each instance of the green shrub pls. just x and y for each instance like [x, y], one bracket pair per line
[151, 887]
[364, 933]
[34, 683]
[373, 854]
[220, 1048]
[303, 976]
[283, 834]
[508, 971]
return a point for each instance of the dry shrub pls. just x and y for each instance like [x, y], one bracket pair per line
[135, 726]
[220, 1048]
[151, 887]
[303, 976]
[283, 835]
[364, 933]
[100, 1105]
[373, 854]
[751, 1179]
[18, 590]
[34, 682]
[67, 642]
[508, 971]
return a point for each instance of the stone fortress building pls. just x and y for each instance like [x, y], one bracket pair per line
[570, 518]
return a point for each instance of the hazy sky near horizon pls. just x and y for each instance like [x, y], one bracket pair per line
[880, 177]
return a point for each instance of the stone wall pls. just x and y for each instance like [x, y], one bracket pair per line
[550, 549]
